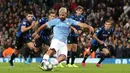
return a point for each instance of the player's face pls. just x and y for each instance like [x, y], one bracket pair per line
[79, 12]
[62, 16]
[29, 17]
[107, 25]
[52, 16]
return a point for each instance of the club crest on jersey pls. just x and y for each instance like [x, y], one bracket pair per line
[24, 22]
[68, 23]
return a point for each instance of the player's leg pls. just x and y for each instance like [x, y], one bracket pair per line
[51, 51]
[74, 54]
[103, 53]
[46, 43]
[26, 54]
[92, 48]
[32, 51]
[59, 48]
[19, 44]
[61, 54]
[69, 46]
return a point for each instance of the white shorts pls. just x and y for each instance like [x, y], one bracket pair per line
[60, 47]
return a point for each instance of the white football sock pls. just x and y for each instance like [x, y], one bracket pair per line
[54, 61]
[45, 57]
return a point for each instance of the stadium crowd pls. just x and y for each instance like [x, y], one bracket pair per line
[96, 13]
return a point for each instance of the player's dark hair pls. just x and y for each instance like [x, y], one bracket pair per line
[109, 21]
[28, 12]
[79, 7]
[52, 11]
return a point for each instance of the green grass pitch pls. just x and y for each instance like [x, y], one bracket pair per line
[90, 68]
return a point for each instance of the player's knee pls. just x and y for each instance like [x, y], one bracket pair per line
[105, 51]
[62, 57]
[51, 52]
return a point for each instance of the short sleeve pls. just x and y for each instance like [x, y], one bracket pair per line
[73, 22]
[51, 23]
[24, 23]
[34, 19]
[98, 31]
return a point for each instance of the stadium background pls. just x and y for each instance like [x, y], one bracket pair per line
[95, 11]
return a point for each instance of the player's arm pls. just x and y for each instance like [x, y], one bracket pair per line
[96, 34]
[74, 29]
[24, 28]
[49, 24]
[39, 29]
[112, 35]
[36, 25]
[83, 25]
[95, 37]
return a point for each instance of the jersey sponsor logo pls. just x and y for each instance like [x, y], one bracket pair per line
[63, 27]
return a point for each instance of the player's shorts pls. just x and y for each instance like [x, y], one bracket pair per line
[72, 40]
[95, 47]
[59, 46]
[41, 41]
[20, 41]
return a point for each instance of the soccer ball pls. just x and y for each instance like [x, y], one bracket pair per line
[47, 66]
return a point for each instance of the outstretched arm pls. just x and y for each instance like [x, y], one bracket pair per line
[83, 25]
[39, 29]
[74, 29]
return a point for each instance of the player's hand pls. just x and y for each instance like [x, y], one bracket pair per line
[101, 42]
[34, 34]
[36, 37]
[91, 29]
[33, 40]
[33, 24]
[79, 32]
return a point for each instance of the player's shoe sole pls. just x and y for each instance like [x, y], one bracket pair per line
[43, 68]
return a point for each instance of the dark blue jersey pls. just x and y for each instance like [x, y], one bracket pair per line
[80, 18]
[25, 34]
[42, 21]
[102, 34]
[44, 34]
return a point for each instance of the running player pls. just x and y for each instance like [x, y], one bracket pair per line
[99, 38]
[46, 33]
[24, 36]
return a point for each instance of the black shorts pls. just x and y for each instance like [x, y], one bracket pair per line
[40, 41]
[72, 40]
[20, 41]
[95, 47]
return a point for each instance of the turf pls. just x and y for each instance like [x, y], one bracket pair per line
[90, 68]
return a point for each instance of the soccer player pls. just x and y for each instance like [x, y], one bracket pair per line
[61, 28]
[73, 37]
[99, 38]
[46, 33]
[24, 35]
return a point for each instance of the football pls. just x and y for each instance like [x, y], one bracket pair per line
[47, 66]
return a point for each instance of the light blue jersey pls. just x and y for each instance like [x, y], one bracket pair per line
[61, 29]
